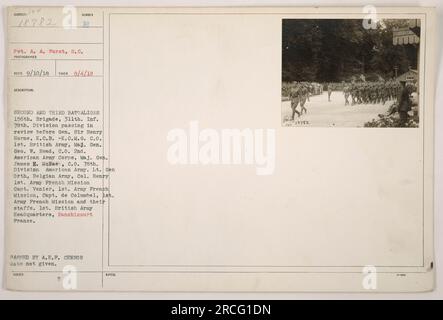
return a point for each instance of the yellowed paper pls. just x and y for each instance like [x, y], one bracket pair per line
[159, 149]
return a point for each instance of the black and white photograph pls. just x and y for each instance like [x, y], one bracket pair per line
[350, 72]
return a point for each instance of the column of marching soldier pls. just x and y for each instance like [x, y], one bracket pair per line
[371, 92]
[354, 92]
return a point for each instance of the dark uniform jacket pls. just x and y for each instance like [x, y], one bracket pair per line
[404, 104]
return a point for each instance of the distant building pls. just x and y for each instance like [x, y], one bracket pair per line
[407, 35]
[409, 76]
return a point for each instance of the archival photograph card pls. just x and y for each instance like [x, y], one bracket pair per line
[220, 149]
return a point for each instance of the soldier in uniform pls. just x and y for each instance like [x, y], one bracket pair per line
[285, 89]
[310, 89]
[329, 91]
[295, 99]
[372, 93]
[378, 92]
[360, 93]
[384, 92]
[346, 92]
[404, 104]
[304, 93]
[399, 88]
[390, 86]
[354, 93]
[366, 90]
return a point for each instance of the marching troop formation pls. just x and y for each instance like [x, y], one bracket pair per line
[299, 93]
[366, 92]
[371, 92]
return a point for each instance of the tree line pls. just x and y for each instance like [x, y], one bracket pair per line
[332, 50]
